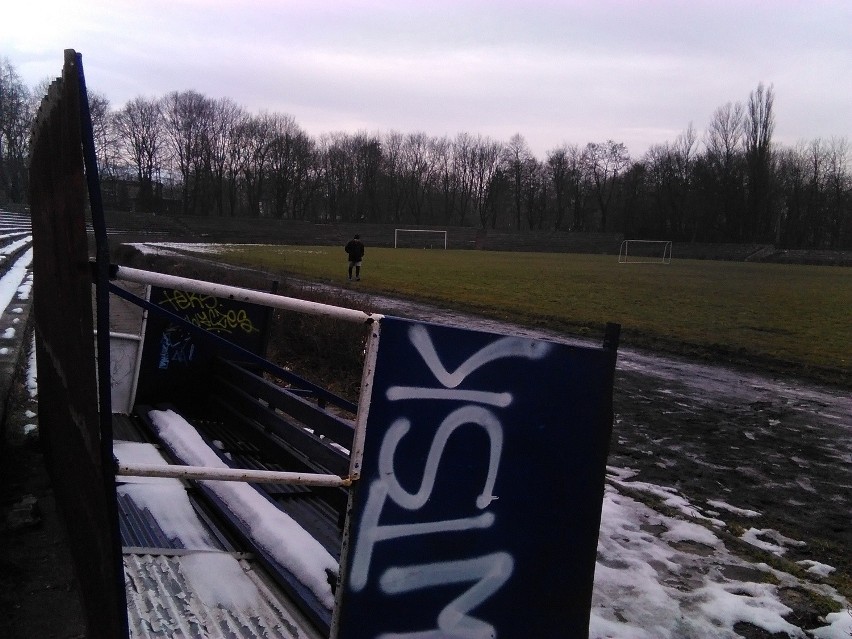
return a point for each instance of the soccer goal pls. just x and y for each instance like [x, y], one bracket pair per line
[645, 252]
[419, 238]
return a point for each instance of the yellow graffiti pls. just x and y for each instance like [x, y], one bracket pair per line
[209, 313]
[183, 301]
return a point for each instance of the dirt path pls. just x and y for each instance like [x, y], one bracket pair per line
[778, 453]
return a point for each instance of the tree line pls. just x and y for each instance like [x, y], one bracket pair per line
[189, 154]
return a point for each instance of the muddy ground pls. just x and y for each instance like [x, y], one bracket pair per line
[778, 447]
[39, 595]
[773, 444]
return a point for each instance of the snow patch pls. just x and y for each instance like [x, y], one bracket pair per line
[816, 568]
[727, 604]
[645, 588]
[688, 531]
[770, 540]
[218, 580]
[669, 496]
[839, 625]
[742, 512]
[275, 531]
[32, 372]
[164, 498]
[14, 277]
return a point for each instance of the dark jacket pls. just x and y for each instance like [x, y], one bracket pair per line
[355, 250]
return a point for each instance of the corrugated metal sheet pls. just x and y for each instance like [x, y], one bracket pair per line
[304, 504]
[139, 528]
[164, 599]
[206, 591]
[124, 428]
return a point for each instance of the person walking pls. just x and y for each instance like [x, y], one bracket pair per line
[355, 250]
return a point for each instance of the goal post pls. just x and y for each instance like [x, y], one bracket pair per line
[419, 238]
[645, 252]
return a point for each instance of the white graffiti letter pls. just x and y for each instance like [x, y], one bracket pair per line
[475, 415]
[498, 349]
[370, 531]
[489, 573]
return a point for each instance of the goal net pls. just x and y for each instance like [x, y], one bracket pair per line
[419, 238]
[645, 252]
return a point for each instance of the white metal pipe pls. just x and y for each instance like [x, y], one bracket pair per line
[163, 280]
[357, 453]
[130, 337]
[230, 474]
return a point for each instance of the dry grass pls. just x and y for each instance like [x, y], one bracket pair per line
[792, 317]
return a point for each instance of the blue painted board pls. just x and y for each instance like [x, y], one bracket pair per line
[478, 509]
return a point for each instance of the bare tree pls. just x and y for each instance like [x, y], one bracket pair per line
[236, 160]
[605, 162]
[838, 191]
[815, 186]
[668, 174]
[557, 172]
[724, 159]
[305, 182]
[366, 153]
[418, 167]
[534, 193]
[187, 116]
[445, 178]
[516, 165]
[816, 155]
[578, 186]
[139, 129]
[485, 155]
[351, 174]
[684, 149]
[757, 138]
[565, 166]
[792, 167]
[392, 173]
[225, 117]
[463, 170]
[103, 132]
[17, 110]
[248, 157]
[338, 177]
[282, 163]
[724, 133]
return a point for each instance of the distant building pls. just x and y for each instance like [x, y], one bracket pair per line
[124, 194]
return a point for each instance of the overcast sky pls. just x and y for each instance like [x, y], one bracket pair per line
[554, 71]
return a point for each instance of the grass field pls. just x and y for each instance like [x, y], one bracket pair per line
[796, 318]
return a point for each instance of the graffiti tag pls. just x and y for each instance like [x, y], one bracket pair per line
[466, 408]
[208, 312]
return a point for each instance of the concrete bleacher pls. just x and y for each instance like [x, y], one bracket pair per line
[125, 227]
[141, 227]
[728, 252]
[552, 242]
[810, 256]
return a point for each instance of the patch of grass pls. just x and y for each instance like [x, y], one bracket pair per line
[794, 316]
[303, 343]
[823, 604]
